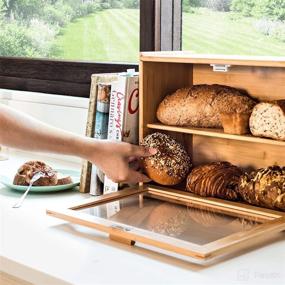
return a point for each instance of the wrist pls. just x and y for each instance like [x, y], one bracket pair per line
[88, 148]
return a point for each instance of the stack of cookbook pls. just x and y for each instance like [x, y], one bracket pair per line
[113, 115]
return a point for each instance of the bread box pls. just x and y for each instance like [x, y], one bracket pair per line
[173, 221]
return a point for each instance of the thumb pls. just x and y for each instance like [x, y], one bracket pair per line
[141, 151]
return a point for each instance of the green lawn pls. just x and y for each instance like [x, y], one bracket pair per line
[214, 32]
[113, 35]
[110, 35]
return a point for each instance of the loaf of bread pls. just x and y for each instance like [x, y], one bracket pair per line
[218, 179]
[268, 120]
[201, 105]
[264, 187]
[26, 172]
[171, 164]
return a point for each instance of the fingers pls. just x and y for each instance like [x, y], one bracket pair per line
[136, 177]
[141, 151]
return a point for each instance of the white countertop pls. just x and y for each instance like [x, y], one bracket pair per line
[44, 250]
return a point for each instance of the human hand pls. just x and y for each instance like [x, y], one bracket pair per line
[114, 158]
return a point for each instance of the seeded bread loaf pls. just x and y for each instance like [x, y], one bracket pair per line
[171, 164]
[264, 187]
[268, 120]
[201, 105]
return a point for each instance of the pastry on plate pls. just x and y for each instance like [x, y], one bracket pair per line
[50, 176]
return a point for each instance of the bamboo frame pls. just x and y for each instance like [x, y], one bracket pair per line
[273, 222]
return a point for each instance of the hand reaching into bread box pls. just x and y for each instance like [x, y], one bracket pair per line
[217, 106]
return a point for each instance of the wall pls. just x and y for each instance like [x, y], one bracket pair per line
[65, 112]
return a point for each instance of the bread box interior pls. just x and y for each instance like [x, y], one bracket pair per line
[215, 226]
[264, 79]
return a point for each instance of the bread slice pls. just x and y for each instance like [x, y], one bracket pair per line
[268, 120]
[63, 179]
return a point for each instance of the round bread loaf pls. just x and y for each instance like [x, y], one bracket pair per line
[201, 105]
[217, 179]
[264, 187]
[30, 168]
[171, 164]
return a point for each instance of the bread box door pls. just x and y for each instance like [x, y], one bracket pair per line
[175, 222]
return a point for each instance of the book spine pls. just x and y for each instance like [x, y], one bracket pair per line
[100, 132]
[86, 165]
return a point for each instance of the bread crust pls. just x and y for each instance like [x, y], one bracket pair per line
[201, 105]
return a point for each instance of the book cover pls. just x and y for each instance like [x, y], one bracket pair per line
[123, 116]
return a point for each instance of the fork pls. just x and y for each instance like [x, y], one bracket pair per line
[35, 178]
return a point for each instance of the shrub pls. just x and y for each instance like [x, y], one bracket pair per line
[270, 9]
[58, 16]
[41, 36]
[14, 41]
[105, 6]
[242, 6]
[217, 5]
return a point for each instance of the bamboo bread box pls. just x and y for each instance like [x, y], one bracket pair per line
[191, 232]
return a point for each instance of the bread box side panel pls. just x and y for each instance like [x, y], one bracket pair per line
[157, 79]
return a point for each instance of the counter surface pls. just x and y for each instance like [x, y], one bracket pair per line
[44, 250]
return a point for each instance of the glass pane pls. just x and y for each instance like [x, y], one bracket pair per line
[92, 30]
[236, 27]
[199, 226]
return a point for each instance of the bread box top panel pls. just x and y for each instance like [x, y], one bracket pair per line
[188, 57]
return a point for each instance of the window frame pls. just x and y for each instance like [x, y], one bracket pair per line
[73, 78]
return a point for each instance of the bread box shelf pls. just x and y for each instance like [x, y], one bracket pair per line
[215, 133]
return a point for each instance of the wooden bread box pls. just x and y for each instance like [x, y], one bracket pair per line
[222, 222]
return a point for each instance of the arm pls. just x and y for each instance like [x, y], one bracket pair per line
[18, 130]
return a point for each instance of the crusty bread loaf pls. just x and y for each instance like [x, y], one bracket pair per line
[26, 172]
[264, 187]
[171, 164]
[217, 179]
[201, 105]
[268, 120]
